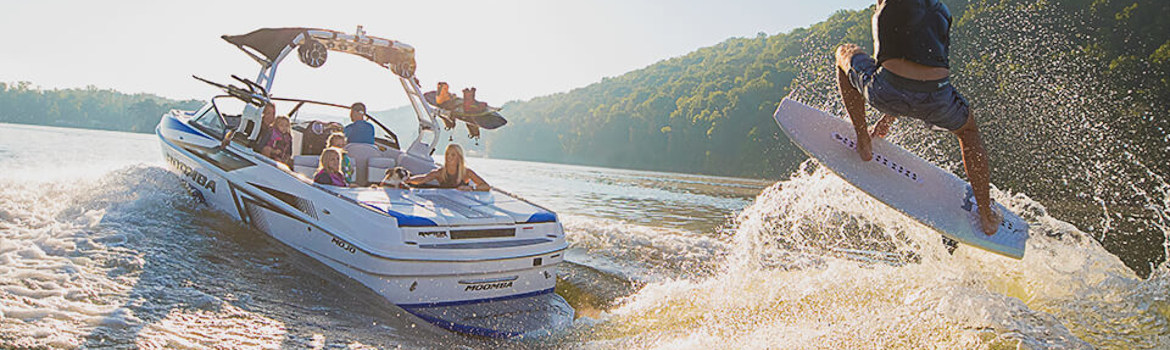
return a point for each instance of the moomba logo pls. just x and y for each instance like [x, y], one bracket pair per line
[488, 286]
[191, 173]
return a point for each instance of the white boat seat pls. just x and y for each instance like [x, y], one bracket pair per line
[359, 155]
[378, 167]
[306, 165]
[416, 165]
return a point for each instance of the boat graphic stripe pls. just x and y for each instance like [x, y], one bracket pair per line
[225, 160]
[409, 220]
[541, 217]
[473, 330]
[175, 124]
[474, 301]
[304, 205]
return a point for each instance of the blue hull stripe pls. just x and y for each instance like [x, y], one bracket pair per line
[472, 330]
[476, 301]
[174, 124]
[543, 216]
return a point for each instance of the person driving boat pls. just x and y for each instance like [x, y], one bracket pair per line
[360, 130]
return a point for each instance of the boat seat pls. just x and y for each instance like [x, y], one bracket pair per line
[306, 165]
[359, 155]
[416, 165]
[378, 167]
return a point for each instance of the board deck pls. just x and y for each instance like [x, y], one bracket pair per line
[900, 179]
[489, 118]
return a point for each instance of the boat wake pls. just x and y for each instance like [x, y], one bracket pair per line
[129, 260]
[816, 263]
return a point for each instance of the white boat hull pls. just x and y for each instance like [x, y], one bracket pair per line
[438, 254]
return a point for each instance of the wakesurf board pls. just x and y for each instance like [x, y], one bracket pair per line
[900, 179]
[489, 118]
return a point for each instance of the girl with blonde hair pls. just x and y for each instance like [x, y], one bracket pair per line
[338, 141]
[453, 174]
[329, 168]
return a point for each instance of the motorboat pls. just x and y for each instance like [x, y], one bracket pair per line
[481, 263]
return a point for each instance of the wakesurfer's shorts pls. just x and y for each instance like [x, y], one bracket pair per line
[936, 102]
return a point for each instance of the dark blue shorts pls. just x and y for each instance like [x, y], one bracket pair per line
[935, 102]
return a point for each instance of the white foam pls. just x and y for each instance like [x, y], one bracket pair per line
[641, 253]
[786, 287]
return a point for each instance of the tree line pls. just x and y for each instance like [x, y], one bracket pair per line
[710, 111]
[89, 107]
[1072, 97]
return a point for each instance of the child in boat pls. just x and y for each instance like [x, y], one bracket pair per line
[279, 146]
[337, 140]
[453, 174]
[329, 168]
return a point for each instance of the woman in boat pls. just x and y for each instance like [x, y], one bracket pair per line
[267, 117]
[453, 174]
[329, 168]
[337, 140]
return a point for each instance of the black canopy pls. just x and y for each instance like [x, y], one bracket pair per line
[270, 42]
[267, 41]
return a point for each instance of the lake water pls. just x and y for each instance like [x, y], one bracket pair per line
[100, 246]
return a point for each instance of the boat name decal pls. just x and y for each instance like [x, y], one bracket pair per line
[194, 175]
[344, 246]
[489, 286]
[437, 234]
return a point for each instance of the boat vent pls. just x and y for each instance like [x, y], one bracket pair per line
[483, 233]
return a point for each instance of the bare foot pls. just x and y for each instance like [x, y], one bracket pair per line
[864, 147]
[990, 220]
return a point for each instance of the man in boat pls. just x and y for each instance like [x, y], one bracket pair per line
[910, 76]
[360, 130]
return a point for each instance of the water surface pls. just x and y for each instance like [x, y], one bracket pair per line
[100, 246]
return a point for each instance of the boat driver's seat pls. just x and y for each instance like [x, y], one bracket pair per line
[360, 154]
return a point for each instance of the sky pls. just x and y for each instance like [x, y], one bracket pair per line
[509, 50]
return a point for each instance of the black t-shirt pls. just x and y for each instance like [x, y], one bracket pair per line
[915, 30]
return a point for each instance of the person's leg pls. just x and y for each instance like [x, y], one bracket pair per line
[854, 101]
[975, 162]
[882, 128]
[855, 107]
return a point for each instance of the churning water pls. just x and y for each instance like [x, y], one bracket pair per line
[100, 246]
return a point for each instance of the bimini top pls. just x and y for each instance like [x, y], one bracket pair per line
[313, 46]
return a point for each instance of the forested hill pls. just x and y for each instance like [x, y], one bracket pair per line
[90, 107]
[710, 111]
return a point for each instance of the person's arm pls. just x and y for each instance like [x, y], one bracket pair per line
[227, 139]
[288, 152]
[480, 184]
[322, 178]
[425, 178]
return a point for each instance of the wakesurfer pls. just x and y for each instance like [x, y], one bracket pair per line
[910, 76]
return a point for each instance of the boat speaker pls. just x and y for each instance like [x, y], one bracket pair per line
[312, 53]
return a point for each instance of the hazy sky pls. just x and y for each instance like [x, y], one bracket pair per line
[508, 49]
